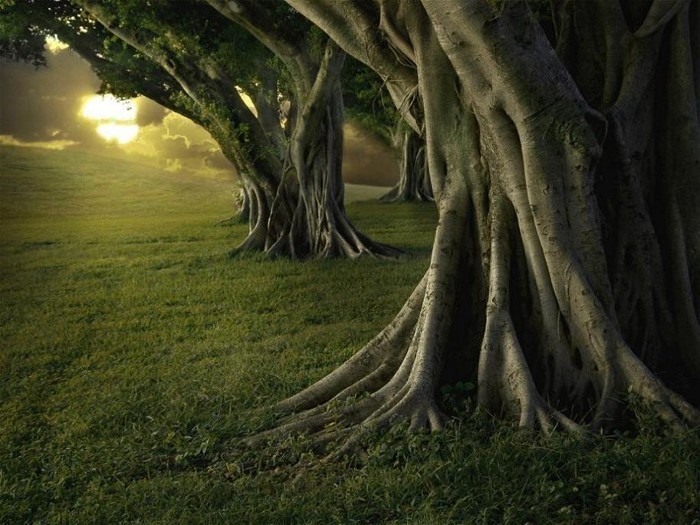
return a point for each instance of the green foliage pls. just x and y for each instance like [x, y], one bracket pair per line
[134, 350]
[457, 398]
[121, 58]
[19, 39]
[367, 101]
[196, 32]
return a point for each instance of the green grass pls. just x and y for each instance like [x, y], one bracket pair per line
[132, 350]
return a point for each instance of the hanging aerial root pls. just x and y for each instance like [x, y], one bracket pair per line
[597, 337]
[351, 243]
[504, 379]
[331, 235]
[561, 372]
[506, 382]
[557, 189]
[258, 235]
[660, 12]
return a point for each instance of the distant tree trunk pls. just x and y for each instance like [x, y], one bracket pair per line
[566, 263]
[308, 214]
[414, 178]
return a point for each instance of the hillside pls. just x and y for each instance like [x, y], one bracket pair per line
[40, 182]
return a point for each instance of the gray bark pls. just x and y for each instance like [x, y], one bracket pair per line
[414, 180]
[307, 215]
[564, 276]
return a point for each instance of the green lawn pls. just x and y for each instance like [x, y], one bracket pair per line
[132, 350]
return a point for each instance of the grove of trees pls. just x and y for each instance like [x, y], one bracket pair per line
[197, 62]
[562, 142]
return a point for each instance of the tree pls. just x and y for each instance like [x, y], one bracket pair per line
[313, 215]
[565, 269]
[194, 61]
[414, 177]
[159, 73]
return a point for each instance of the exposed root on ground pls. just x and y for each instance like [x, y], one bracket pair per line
[288, 228]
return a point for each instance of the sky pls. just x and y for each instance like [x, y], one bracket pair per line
[56, 107]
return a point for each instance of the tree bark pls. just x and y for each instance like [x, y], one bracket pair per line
[564, 277]
[414, 180]
[309, 213]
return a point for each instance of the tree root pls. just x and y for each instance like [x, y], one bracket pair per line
[378, 359]
[345, 426]
[560, 289]
[505, 380]
[671, 408]
[396, 375]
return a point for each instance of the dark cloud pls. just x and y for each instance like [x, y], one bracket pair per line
[215, 160]
[149, 112]
[39, 105]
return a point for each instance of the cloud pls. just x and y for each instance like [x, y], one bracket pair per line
[176, 143]
[148, 112]
[9, 140]
[41, 107]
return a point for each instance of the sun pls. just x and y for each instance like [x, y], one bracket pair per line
[116, 119]
[107, 107]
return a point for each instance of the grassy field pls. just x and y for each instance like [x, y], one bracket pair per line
[133, 350]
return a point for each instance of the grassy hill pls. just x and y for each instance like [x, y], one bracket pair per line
[132, 351]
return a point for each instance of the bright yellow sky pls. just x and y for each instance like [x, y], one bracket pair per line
[115, 119]
[53, 107]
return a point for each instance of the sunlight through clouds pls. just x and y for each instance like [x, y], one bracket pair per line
[116, 119]
[120, 133]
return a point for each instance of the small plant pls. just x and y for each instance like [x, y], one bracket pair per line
[457, 398]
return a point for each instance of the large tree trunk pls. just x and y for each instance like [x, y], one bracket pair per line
[564, 274]
[650, 163]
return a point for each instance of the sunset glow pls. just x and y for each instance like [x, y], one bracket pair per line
[116, 119]
[107, 107]
[121, 133]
